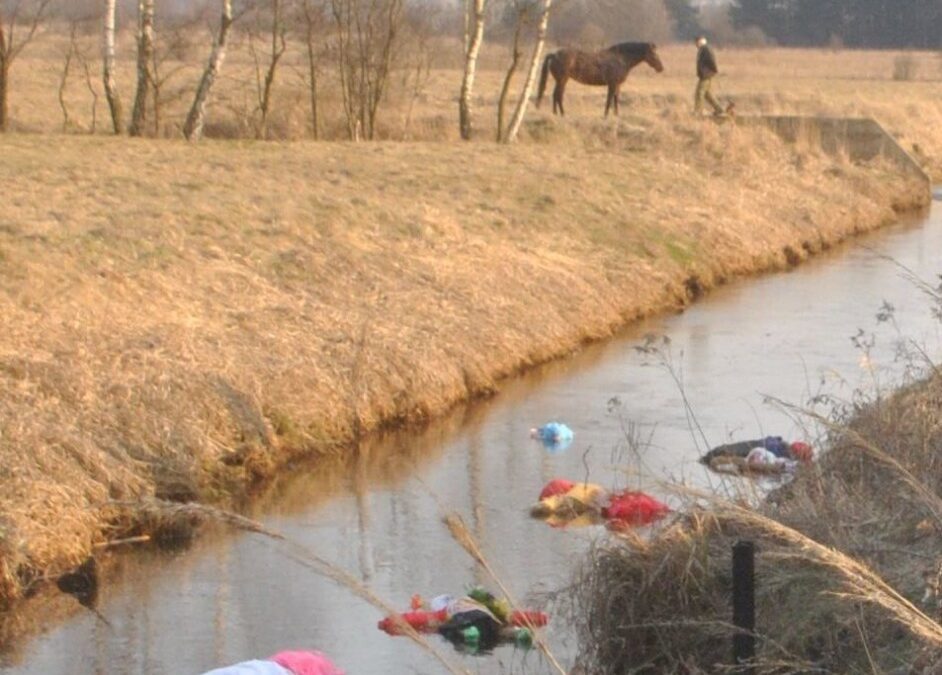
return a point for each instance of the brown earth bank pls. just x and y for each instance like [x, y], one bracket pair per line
[848, 562]
[181, 321]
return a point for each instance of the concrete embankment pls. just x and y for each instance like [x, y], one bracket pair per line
[184, 321]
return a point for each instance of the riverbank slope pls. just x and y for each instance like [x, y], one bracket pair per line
[181, 321]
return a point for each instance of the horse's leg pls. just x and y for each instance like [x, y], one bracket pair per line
[616, 96]
[558, 92]
[608, 99]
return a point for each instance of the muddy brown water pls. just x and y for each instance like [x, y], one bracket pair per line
[236, 596]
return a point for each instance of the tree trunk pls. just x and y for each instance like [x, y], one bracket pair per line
[4, 89]
[312, 80]
[91, 89]
[155, 86]
[511, 70]
[193, 128]
[4, 79]
[521, 109]
[145, 54]
[64, 83]
[470, 63]
[278, 47]
[108, 64]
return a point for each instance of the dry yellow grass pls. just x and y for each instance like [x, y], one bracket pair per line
[181, 320]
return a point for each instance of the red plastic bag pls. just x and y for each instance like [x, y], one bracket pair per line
[557, 486]
[423, 622]
[634, 508]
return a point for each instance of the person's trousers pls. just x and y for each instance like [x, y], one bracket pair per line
[704, 94]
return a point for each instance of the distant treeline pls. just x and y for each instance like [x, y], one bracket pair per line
[854, 23]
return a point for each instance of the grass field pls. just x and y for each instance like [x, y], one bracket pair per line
[182, 320]
[760, 80]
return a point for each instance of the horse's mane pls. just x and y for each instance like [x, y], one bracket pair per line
[632, 48]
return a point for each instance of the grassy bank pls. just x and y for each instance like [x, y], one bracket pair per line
[849, 563]
[182, 321]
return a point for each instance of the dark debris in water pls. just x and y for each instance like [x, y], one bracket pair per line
[82, 583]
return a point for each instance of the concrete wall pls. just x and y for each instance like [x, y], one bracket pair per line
[859, 139]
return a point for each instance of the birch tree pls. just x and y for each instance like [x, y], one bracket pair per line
[196, 119]
[473, 42]
[145, 58]
[108, 64]
[15, 16]
[521, 108]
[521, 9]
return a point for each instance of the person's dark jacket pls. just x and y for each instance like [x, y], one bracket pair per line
[706, 63]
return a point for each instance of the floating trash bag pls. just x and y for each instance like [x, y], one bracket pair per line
[283, 663]
[634, 508]
[555, 436]
[564, 503]
[475, 622]
[256, 667]
[557, 486]
[566, 499]
[306, 663]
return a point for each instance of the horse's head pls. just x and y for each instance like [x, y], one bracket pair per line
[652, 59]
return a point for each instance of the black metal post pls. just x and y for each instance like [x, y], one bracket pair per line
[744, 603]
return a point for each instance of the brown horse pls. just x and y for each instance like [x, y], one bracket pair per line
[608, 67]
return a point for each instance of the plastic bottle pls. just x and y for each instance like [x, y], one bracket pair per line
[471, 635]
[523, 638]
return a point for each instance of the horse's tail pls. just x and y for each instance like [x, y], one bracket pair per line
[543, 75]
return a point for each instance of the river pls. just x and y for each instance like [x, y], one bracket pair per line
[231, 597]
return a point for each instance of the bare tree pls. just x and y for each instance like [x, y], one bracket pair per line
[14, 15]
[145, 58]
[195, 120]
[64, 76]
[422, 21]
[313, 13]
[473, 43]
[416, 78]
[521, 108]
[108, 63]
[78, 57]
[521, 10]
[89, 83]
[170, 53]
[367, 36]
[277, 30]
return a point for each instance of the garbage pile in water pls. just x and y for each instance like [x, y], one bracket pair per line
[476, 622]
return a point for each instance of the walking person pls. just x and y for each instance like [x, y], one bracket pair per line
[706, 70]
